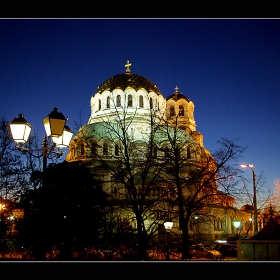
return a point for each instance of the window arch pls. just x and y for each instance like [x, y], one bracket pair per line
[154, 151]
[93, 148]
[151, 103]
[141, 101]
[118, 101]
[99, 104]
[181, 110]
[172, 111]
[129, 100]
[166, 152]
[81, 149]
[105, 149]
[108, 102]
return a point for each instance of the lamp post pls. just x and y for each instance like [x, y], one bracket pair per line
[168, 225]
[254, 196]
[55, 128]
[237, 225]
[61, 136]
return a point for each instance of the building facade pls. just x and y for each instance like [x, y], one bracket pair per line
[129, 108]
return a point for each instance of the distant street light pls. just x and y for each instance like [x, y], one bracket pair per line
[254, 196]
[55, 128]
[168, 226]
[237, 225]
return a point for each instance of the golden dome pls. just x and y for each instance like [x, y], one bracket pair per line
[123, 81]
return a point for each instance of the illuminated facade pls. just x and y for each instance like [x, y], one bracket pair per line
[133, 99]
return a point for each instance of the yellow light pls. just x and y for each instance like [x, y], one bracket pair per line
[2, 206]
[168, 225]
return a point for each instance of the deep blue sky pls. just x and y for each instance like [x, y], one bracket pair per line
[229, 68]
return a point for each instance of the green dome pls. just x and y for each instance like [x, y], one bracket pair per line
[113, 131]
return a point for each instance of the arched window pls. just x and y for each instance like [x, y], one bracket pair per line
[105, 149]
[108, 102]
[166, 152]
[99, 104]
[151, 103]
[154, 152]
[117, 150]
[129, 100]
[118, 101]
[93, 148]
[83, 149]
[172, 111]
[181, 110]
[141, 102]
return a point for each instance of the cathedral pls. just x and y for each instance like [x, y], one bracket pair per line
[129, 108]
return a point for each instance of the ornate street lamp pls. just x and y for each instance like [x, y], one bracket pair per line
[254, 196]
[168, 226]
[54, 123]
[20, 129]
[63, 140]
[55, 128]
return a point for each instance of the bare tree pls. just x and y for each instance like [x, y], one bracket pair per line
[197, 180]
[123, 147]
[264, 195]
[12, 181]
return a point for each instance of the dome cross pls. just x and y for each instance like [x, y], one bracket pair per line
[127, 67]
[176, 93]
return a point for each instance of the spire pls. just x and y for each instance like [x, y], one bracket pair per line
[127, 67]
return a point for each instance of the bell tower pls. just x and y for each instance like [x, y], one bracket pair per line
[180, 112]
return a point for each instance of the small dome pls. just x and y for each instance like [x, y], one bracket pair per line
[247, 207]
[122, 81]
[177, 96]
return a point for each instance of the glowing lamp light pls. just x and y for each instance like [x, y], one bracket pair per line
[245, 165]
[168, 225]
[63, 140]
[20, 129]
[236, 224]
[54, 123]
[2, 206]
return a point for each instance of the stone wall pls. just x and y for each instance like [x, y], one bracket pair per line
[258, 250]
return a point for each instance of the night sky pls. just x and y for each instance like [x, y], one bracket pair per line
[229, 68]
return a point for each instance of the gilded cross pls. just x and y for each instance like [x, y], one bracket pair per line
[127, 67]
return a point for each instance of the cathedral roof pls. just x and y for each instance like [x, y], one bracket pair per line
[122, 81]
[247, 207]
[176, 96]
